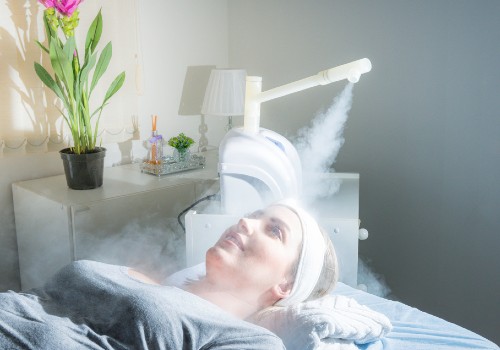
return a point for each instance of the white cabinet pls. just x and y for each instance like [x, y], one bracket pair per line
[130, 220]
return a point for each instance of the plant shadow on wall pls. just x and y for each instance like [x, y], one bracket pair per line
[18, 51]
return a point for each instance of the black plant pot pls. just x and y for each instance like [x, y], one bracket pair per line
[83, 171]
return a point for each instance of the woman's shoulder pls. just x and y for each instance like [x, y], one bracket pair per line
[86, 269]
[93, 264]
[89, 265]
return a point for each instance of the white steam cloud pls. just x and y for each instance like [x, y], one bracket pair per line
[319, 144]
[155, 248]
[374, 283]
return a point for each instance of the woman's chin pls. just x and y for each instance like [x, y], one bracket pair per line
[222, 258]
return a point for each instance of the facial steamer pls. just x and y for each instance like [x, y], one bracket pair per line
[259, 166]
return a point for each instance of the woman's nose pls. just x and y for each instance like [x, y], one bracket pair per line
[245, 225]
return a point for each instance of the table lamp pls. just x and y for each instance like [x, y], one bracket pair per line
[225, 94]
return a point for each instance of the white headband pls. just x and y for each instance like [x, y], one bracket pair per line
[311, 257]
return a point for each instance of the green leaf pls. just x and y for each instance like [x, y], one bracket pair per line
[46, 78]
[102, 65]
[64, 116]
[62, 66]
[56, 65]
[94, 34]
[48, 29]
[87, 67]
[113, 89]
[46, 24]
[70, 48]
[42, 46]
[115, 86]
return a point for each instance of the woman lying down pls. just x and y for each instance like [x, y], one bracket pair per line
[276, 256]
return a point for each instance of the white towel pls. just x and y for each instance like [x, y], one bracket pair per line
[336, 344]
[331, 322]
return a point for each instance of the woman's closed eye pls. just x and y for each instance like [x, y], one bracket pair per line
[275, 231]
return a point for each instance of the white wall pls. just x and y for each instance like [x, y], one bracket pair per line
[176, 35]
[423, 132]
[172, 35]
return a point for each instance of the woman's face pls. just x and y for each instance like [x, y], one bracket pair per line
[259, 251]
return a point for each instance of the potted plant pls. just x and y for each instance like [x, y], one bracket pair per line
[181, 144]
[73, 81]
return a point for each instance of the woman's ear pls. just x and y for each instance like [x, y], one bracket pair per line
[283, 289]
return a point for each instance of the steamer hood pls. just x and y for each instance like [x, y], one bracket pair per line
[255, 169]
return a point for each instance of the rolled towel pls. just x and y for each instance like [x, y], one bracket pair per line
[309, 324]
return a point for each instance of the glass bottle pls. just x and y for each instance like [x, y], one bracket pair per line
[156, 143]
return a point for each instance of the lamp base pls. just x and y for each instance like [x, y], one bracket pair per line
[229, 125]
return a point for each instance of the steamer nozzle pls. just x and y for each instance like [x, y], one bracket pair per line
[350, 71]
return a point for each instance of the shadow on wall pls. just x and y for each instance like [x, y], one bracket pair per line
[18, 53]
[193, 93]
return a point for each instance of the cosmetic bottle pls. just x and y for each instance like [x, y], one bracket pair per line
[156, 144]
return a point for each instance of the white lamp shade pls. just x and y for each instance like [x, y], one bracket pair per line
[225, 93]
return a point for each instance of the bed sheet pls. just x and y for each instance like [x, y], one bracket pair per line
[414, 329]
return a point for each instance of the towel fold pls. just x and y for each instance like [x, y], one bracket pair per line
[312, 324]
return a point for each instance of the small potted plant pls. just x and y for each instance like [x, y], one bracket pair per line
[73, 82]
[181, 144]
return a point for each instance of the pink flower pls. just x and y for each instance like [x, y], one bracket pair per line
[48, 3]
[64, 7]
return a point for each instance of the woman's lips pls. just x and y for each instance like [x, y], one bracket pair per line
[235, 239]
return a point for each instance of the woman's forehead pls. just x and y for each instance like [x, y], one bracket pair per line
[286, 215]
